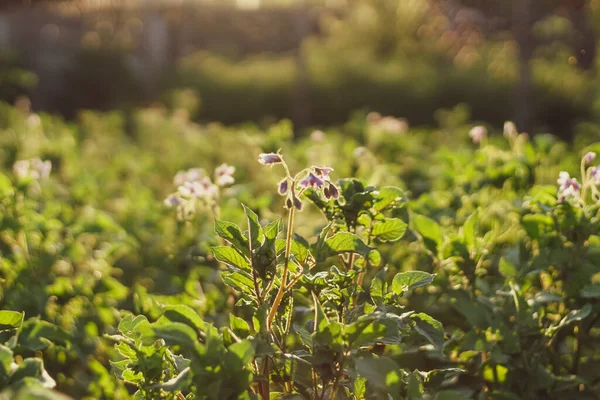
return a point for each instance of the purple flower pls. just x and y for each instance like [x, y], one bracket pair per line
[297, 203]
[595, 174]
[311, 180]
[331, 192]
[269, 158]
[323, 172]
[589, 157]
[173, 200]
[283, 187]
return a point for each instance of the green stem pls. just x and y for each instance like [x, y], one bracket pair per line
[282, 286]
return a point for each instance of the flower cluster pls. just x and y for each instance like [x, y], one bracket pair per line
[194, 184]
[314, 177]
[34, 169]
[570, 189]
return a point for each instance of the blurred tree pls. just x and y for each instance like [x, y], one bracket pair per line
[6, 4]
[520, 16]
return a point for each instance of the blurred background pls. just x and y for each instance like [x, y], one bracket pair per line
[316, 62]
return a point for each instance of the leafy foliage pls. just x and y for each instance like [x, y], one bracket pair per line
[440, 269]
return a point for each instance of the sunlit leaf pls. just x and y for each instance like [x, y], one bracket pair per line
[389, 230]
[405, 281]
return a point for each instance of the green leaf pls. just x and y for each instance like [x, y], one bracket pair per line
[359, 387]
[429, 230]
[178, 383]
[591, 291]
[6, 188]
[430, 328]
[379, 287]
[374, 258]
[536, 224]
[329, 334]
[6, 359]
[229, 255]
[254, 229]
[389, 230]
[10, 319]
[507, 269]
[476, 313]
[232, 233]
[300, 249]
[414, 387]
[243, 350]
[405, 281]
[346, 242]
[364, 332]
[451, 395]
[273, 229]
[389, 196]
[240, 327]
[33, 368]
[573, 316]
[128, 325]
[37, 335]
[469, 231]
[239, 280]
[175, 333]
[382, 373]
[184, 314]
[500, 373]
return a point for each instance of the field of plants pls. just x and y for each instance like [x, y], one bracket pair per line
[155, 258]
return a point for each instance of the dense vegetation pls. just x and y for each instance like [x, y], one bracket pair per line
[453, 263]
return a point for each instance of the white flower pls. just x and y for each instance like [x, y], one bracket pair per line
[360, 152]
[563, 177]
[224, 175]
[317, 136]
[191, 175]
[191, 190]
[569, 188]
[510, 129]
[393, 125]
[35, 169]
[478, 133]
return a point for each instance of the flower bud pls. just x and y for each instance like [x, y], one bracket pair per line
[331, 192]
[589, 157]
[283, 187]
[297, 204]
[269, 158]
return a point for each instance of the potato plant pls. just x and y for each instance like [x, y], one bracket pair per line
[369, 261]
